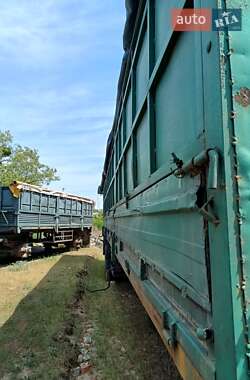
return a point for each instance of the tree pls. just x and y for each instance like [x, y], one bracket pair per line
[5, 145]
[23, 164]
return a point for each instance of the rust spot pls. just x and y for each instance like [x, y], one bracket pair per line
[243, 97]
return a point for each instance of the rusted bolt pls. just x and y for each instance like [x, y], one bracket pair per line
[169, 341]
[204, 334]
[234, 140]
[241, 286]
[184, 291]
[233, 115]
[243, 259]
[223, 59]
[230, 52]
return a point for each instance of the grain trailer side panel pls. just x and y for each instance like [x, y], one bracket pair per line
[176, 187]
[31, 214]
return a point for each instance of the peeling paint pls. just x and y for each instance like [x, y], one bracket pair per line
[243, 97]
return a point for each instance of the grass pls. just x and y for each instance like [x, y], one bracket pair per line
[98, 220]
[18, 266]
[128, 346]
[36, 308]
[34, 305]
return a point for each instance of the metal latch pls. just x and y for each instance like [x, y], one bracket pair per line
[209, 157]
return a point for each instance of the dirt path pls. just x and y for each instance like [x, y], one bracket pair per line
[52, 328]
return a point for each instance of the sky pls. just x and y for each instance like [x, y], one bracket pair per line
[59, 67]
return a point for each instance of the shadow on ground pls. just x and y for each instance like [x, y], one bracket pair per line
[36, 254]
[27, 338]
[125, 336]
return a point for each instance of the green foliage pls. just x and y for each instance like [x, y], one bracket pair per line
[22, 164]
[98, 220]
[5, 145]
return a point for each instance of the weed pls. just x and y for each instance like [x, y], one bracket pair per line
[18, 266]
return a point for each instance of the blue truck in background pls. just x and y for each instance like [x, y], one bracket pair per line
[30, 214]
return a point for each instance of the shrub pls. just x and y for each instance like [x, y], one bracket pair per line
[98, 220]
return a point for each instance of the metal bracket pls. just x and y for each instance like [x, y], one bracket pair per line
[63, 236]
[171, 335]
[209, 215]
[126, 199]
[170, 329]
[143, 270]
[5, 218]
[127, 267]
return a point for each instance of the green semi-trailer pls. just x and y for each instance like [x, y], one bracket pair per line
[176, 184]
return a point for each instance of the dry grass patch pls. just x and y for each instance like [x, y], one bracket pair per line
[34, 306]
